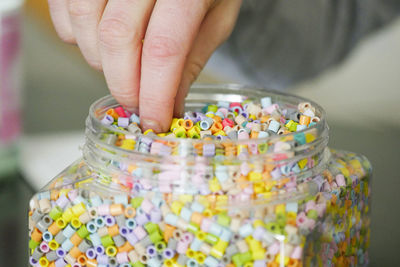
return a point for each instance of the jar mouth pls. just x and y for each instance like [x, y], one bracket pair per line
[201, 94]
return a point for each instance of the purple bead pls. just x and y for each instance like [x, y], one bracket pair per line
[102, 259]
[76, 265]
[258, 233]
[259, 263]
[32, 261]
[107, 120]
[60, 252]
[168, 253]
[208, 150]
[123, 122]
[142, 219]
[62, 201]
[155, 216]
[91, 253]
[200, 116]
[151, 251]
[60, 263]
[145, 140]
[123, 231]
[109, 220]
[99, 250]
[131, 238]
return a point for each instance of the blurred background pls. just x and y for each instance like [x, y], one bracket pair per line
[361, 97]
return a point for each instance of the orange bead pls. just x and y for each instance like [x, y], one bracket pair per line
[293, 263]
[217, 119]
[112, 113]
[168, 232]
[113, 230]
[54, 195]
[52, 264]
[54, 229]
[36, 235]
[188, 124]
[216, 127]
[273, 264]
[130, 212]
[304, 120]
[253, 134]
[197, 218]
[75, 252]
[116, 209]
[76, 239]
[82, 259]
[125, 248]
[91, 263]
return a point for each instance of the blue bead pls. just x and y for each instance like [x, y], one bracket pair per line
[223, 104]
[215, 229]
[67, 245]
[196, 244]
[245, 230]
[134, 118]
[157, 201]
[186, 214]
[300, 127]
[274, 126]
[95, 238]
[192, 263]
[68, 231]
[121, 199]
[171, 219]
[96, 201]
[226, 235]
[153, 262]
[91, 227]
[99, 221]
[197, 207]
[47, 236]
[131, 223]
[266, 102]
[211, 262]
[300, 138]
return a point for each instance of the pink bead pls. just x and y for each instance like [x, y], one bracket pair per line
[309, 223]
[165, 187]
[167, 175]
[274, 248]
[182, 246]
[310, 205]
[223, 111]
[72, 194]
[139, 232]
[340, 180]
[244, 168]
[227, 123]
[187, 237]
[270, 109]
[147, 206]
[205, 225]
[297, 253]
[146, 184]
[103, 210]
[301, 219]
[321, 209]
[243, 135]
[122, 257]
[44, 247]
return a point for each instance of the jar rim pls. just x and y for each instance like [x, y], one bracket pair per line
[224, 88]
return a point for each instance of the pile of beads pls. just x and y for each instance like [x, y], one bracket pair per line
[80, 226]
[160, 201]
[224, 121]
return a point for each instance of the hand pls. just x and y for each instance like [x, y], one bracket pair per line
[150, 51]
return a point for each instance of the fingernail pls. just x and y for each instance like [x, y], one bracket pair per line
[150, 124]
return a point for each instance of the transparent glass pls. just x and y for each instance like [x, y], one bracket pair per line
[284, 200]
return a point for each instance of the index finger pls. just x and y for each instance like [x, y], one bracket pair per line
[169, 37]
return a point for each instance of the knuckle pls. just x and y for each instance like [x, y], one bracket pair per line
[161, 47]
[66, 37]
[95, 64]
[157, 103]
[79, 8]
[115, 32]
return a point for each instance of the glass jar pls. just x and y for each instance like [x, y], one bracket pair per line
[283, 200]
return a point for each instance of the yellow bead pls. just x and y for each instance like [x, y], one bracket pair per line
[200, 257]
[254, 176]
[214, 185]
[190, 253]
[210, 115]
[208, 213]
[180, 132]
[128, 144]
[162, 134]
[218, 250]
[148, 131]
[258, 223]
[253, 117]
[43, 262]
[310, 137]
[220, 133]
[281, 208]
[302, 163]
[67, 215]
[259, 187]
[194, 133]
[64, 192]
[111, 251]
[176, 207]
[53, 245]
[78, 209]
[201, 235]
[76, 223]
[186, 198]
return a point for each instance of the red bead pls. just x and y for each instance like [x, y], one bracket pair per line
[228, 122]
[121, 112]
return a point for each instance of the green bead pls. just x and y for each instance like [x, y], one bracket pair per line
[273, 227]
[33, 244]
[136, 202]
[300, 138]
[263, 148]
[237, 260]
[155, 237]
[151, 227]
[55, 213]
[83, 232]
[160, 246]
[212, 108]
[138, 264]
[224, 219]
[193, 228]
[212, 239]
[312, 214]
[246, 257]
[107, 241]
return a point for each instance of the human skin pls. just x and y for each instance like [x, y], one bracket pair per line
[149, 50]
